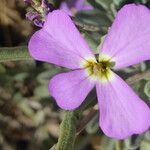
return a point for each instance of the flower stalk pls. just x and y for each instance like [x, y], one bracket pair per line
[67, 131]
[14, 53]
[68, 127]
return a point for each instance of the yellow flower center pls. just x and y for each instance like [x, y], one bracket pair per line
[99, 69]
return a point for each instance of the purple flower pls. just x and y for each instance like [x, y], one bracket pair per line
[42, 8]
[71, 7]
[28, 1]
[122, 112]
[48, 7]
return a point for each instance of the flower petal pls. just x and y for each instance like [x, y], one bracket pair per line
[76, 5]
[128, 40]
[122, 112]
[79, 4]
[59, 42]
[82, 5]
[87, 7]
[70, 89]
[64, 6]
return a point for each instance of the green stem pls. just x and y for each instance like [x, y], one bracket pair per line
[67, 132]
[68, 126]
[14, 53]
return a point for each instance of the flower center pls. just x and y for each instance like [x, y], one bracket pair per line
[99, 69]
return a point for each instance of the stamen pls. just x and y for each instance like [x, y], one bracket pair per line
[100, 69]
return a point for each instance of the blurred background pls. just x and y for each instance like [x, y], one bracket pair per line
[29, 117]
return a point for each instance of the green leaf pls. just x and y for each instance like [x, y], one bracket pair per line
[41, 91]
[145, 145]
[147, 89]
[67, 132]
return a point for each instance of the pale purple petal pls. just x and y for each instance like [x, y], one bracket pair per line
[82, 5]
[75, 5]
[64, 6]
[122, 112]
[87, 7]
[70, 89]
[28, 1]
[128, 40]
[59, 42]
[79, 4]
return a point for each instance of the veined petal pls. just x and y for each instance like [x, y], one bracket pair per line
[128, 40]
[122, 112]
[70, 89]
[59, 42]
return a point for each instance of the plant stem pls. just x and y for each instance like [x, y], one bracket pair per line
[68, 126]
[86, 120]
[118, 145]
[67, 132]
[14, 53]
[137, 77]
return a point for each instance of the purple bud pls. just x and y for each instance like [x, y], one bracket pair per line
[28, 1]
[44, 3]
[47, 6]
[32, 15]
[35, 18]
[38, 22]
[39, 11]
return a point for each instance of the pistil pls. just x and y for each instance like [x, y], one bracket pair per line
[99, 70]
